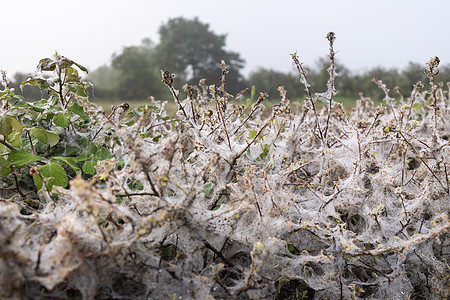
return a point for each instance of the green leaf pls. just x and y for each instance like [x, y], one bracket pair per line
[79, 110]
[39, 106]
[264, 153]
[4, 167]
[9, 124]
[253, 93]
[89, 167]
[42, 83]
[163, 118]
[71, 162]
[80, 66]
[78, 89]
[71, 150]
[88, 152]
[91, 148]
[131, 121]
[22, 157]
[54, 174]
[15, 139]
[252, 134]
[8, 94]
[145, 134]
[103, 154]
[45, 136]
[38, 182]
[62, 119]
[156, 138]
[83, 142]
[120, 163]
[207, 189]
[47, 64]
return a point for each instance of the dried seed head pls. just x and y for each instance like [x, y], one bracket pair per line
[331, 37]
[167, 78]
[432, 69]
[33, 171]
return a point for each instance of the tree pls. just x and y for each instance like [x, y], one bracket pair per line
[106, 82]
[193, 51]
[268, 81]
[139, 76]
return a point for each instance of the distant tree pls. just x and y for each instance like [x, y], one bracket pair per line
[266, 80]
[193, 51]
[413, 73]
[105, 82]
[139, 76]
[444, 74]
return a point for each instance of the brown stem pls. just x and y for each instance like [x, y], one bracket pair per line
[424, 162]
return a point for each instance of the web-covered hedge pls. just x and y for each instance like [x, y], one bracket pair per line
[224, 201]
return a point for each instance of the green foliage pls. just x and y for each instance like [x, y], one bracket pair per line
[252, 134]
[264, 153]
[134, 184]
[9, 124]
[54, 138]
[192, 51]
[207, 189]
[19, 158]
[106, 80]
[138, 68]
[44, 136]
[53, 174]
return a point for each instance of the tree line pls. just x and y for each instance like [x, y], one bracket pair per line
[192, 51]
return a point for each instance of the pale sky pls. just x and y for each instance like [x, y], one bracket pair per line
[385, 33]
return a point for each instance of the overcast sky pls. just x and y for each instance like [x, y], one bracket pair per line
[387, 33]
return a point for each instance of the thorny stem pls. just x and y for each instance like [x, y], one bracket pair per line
[261, 97]
[256, 202]
[217, 127]
[379, 111]
[149, 179]
[190, 96]
[331, 92]
[124, 106]
[31, 143]
[304, 77]
[167, 79]
[251, 142]
[16, 181]
[404, 163]
[135, 194]
[218, 253]
[446, 178]
[424, 162]
[44, 182]
[359, 151]
[222, 120]
[431, 72]
[387, 98]
[61, 83]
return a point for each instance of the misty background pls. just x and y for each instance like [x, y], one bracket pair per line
[126, 44]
